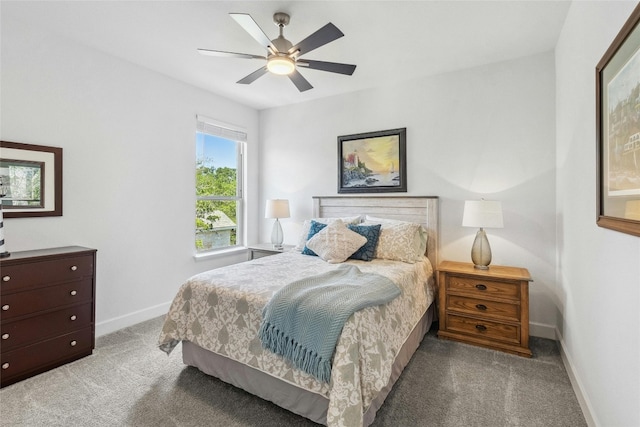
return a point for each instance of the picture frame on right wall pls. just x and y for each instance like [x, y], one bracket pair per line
[618, 131]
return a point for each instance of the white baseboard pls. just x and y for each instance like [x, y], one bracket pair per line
[112, 325]
[542, 330]
[576, 383]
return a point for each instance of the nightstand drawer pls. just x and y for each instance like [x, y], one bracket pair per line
[481, 287]
[256, 253]
[484, 308]
[484, 328]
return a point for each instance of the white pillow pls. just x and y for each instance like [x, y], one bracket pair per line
[302, 239]
[335, 243]
[400, 240]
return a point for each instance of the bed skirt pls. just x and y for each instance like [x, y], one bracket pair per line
[291, 397]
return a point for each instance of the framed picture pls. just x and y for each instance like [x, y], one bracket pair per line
[373, 162]
[30, 180]
[618, 131]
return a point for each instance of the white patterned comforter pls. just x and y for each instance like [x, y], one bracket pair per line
[221, 310]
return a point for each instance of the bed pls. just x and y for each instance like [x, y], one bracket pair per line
[216, 315]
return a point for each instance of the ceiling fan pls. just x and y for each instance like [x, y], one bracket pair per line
[283, 57]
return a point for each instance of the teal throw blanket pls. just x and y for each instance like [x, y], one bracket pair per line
[304, 319]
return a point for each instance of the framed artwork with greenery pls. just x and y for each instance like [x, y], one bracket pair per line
[618, 131]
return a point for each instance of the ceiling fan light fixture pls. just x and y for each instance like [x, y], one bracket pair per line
[281, 65]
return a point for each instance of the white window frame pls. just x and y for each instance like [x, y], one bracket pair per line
[239, 135]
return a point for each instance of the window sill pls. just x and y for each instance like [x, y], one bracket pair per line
[221, 253]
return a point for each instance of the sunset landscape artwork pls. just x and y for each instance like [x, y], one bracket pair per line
[373, 161]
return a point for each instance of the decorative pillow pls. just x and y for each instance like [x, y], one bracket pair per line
[397, 242]
[335, 242]
[420, 238]
[371, 233]
[304, 234]
[314, 228]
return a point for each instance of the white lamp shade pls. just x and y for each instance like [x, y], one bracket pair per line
[277, 208]
[482, 214]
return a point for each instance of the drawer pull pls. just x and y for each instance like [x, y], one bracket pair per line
[5, 366]
[73, 343]
[481, 287]
[481, 307]
[73, 317]
[5, 307]
[6, 278]
[481, 327]
[73, 293]
[5, 336]
[74, 267]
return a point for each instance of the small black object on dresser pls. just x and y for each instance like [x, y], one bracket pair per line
[47, 310]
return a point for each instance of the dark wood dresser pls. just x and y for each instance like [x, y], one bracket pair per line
[47, 315]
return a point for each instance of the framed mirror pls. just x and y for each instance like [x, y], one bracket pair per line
[30, 180]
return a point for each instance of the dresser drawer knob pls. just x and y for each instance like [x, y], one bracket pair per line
[481, 327]
[6, 278]
[5, 336]
[5, 307]
[73, 293]
[5, 366]
[481, 287]
[481, 307]
[73, 317]
[73, 343]
[74, 267]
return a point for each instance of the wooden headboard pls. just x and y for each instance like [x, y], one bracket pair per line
[419, 209]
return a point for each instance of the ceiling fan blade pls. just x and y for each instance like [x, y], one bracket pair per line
[301, 83]
[210, 52]
[253, 76]
[332, 67]
[246, 21]
[324, 35]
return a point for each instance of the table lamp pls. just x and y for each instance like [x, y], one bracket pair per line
[277, 208]
[482, 214]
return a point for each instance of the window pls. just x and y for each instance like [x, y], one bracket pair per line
[219, 192]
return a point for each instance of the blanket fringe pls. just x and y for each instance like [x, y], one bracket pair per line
[305, 359]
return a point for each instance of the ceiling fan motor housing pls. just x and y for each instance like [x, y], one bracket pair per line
[282, 45]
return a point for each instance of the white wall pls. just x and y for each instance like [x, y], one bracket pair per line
[128, 139]
[483, 132]
[599, 270]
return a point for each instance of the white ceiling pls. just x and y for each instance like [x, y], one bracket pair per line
[389, 41]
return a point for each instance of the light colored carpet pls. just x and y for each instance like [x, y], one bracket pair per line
[129, 382]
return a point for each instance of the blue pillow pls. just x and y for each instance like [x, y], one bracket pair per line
[372, 233]
[313, 230]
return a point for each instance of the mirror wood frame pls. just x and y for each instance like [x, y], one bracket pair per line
[53, 208]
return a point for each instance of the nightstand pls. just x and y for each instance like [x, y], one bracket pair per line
[265, 249]
[489, 308]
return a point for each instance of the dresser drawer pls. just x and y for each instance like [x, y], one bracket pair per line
[44, 355]
[484, 308]
[480, 287]
[24, 303]
[484, 328]
[38, 328]
[23, 276]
